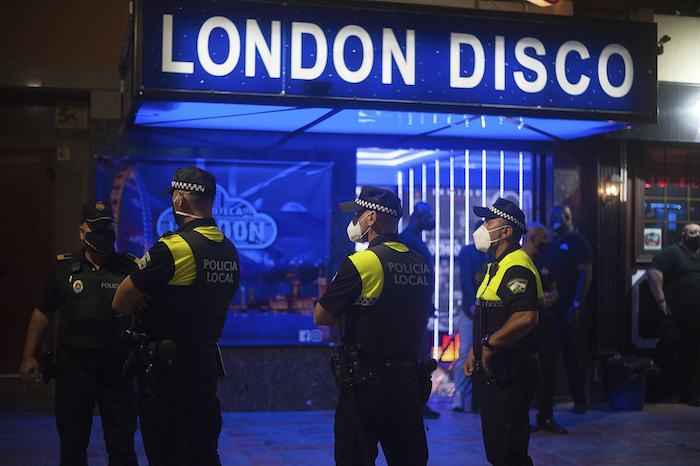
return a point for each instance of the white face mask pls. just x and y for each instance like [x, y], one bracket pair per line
[355, 231]
[179, 212]
[482, 238]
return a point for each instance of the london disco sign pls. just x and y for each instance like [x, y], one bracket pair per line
[453, 58]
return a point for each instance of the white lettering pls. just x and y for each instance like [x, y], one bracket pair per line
[570, 88]
[240, 230]
[391, 49]
[111, 286]
[531, 87]
[256, 232]
[298, 30]
[339, 56]
[500, 64]
[170, 66]
[271, 57]
[234, 46]
[413, 280]
[222, 277]
[626, 86]
[219, 265]
[456, 78]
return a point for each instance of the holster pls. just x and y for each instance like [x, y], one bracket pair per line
[424, 372]
[348, 367]
[47, 367]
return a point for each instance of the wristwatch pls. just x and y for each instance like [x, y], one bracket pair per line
[485, 342]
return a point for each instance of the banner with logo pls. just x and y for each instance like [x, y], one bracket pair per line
[279, 225]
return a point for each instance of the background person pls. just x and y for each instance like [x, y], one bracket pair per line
[571, 258]
[535, 243]
[674, 280]
[471, 272]
[381, 297]
[506, 374]
[90, 352]
[423, 218]
[191, 277]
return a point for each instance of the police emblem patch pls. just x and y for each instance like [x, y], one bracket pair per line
[145, 260]
[78, 287]
[517, 285]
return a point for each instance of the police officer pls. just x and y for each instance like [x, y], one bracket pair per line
[503, 360]
[90, 352]
[381, 297]
[189, 279]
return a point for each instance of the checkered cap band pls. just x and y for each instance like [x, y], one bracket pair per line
[377, 207]
[508, 217]
[188, 186]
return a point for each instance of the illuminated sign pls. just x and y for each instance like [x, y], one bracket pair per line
[458, 59]
[236, 218]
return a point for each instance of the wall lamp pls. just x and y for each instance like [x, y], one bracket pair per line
[611, 188]
[660, 44]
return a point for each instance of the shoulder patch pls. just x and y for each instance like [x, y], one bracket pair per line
[517, 285]
[145, 260]
[63, 257]
[132, 258]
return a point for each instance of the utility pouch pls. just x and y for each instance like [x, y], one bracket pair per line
[47, 367]
[424, 372]
[348, 367]
[169, 354]
[499, 367]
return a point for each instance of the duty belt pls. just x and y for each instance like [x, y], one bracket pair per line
[378, 365]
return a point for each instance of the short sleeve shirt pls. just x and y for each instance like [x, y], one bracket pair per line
[565, 256]
[57, 287]
[681, 274]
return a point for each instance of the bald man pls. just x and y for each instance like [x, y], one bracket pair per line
[535, 242]
[674, 279]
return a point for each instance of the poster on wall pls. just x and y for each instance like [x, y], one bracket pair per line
[280, 227]
[652, 239]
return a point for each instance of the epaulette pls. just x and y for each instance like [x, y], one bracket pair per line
[132, 257]
[63, 257]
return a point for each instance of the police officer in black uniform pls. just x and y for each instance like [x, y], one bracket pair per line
[186, 282]
[90, 352]
[380, 297]
[504, 364]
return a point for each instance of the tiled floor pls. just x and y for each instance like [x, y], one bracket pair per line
[660, 434]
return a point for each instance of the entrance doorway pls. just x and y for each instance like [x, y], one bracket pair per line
[26, 244]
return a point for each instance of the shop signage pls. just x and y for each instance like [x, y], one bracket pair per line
[458, 59]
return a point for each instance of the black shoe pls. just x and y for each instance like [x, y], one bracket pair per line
[690, 400]
[429, 413]
[550, 425]
[580, 407]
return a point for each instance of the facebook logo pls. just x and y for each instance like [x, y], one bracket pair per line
[312, 336]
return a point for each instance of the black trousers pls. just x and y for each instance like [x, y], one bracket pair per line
[77, 391]
[548, 354]
[504, 407]
[391, 414]
[180, 415]
[572, 342]
[678, 355]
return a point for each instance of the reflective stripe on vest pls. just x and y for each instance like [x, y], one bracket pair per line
[185, 266]
[488, 289]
